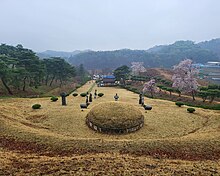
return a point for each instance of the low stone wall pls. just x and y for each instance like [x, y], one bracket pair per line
[114, 130]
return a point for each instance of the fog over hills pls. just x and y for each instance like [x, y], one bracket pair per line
[63, 54]
[158, 56]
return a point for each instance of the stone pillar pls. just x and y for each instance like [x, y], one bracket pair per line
[95, 94]
[140, 98]
[63, 95]
[90, 97]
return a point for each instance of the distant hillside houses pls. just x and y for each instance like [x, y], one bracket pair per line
[209, 71]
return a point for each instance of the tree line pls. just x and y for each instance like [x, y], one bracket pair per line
[164, 56]
[184, 80]
[21, 68]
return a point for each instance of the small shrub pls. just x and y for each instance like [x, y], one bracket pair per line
[213, 86]
[83, 94]
[75, 94]
[160, 86]
[204, 88]
[191, 110]
[100, 94]
[54, 99]
[164, 88]
[168, 83]
[78, 86]
[163, 80]
[133, 89]
[36, 106]
[179, 103]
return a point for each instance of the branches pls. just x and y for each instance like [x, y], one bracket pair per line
[184, 77]
[137, 68]
[150, 86]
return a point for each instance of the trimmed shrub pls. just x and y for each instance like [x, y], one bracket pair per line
[213, 107]
[36, 106]
[100, 94]
[169, 83]
[83, 94]
[78, 86]
[160, 86]
[191, 110]
[163, 81]
[133, 89]
[204, 88]
[53, 99]
[179, 103]
[163, 88]
[213, 86]
[75, 94]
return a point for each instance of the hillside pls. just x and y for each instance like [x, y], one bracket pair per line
[164, 56]
[212, 45]
[63, 54]
[55, 139]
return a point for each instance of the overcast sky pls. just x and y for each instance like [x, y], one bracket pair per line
[106, 24]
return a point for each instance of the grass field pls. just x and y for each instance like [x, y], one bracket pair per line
[55, 139]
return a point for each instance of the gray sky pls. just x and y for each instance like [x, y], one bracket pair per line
[106, 24]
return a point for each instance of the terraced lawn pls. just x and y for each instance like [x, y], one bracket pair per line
[169, 133]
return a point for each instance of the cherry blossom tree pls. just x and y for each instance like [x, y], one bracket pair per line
[150, 86]
[137, 68]
[184, 78]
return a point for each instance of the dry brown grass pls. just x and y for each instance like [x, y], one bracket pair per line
[169, 132]
[101, 164]
[115, 115]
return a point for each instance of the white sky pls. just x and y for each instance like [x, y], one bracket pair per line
[106, 24]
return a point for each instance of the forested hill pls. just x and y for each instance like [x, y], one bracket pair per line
[159, 56]
[63, 54]
[212, 45]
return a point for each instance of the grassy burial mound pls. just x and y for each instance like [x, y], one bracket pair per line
[169, 131]
[115, 117]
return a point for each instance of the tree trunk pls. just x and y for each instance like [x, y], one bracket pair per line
[203, 99]
[52, 81]
[6, 86]
[152, 94]
[193, 95]
[24, 84]
[212, 99]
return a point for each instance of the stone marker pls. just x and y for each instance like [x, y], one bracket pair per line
[83, 106]
[95, 94]
[116, 97]
[90, 97]
[147, 107]
[63, 95]
[87, 99]
[140, 98]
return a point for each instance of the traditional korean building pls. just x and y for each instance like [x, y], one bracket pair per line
[108, 80]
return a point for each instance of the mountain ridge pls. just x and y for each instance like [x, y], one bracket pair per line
[164, 56]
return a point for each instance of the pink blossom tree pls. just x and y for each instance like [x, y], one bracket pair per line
[137, 68]
[150, 86]
[184, 78]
